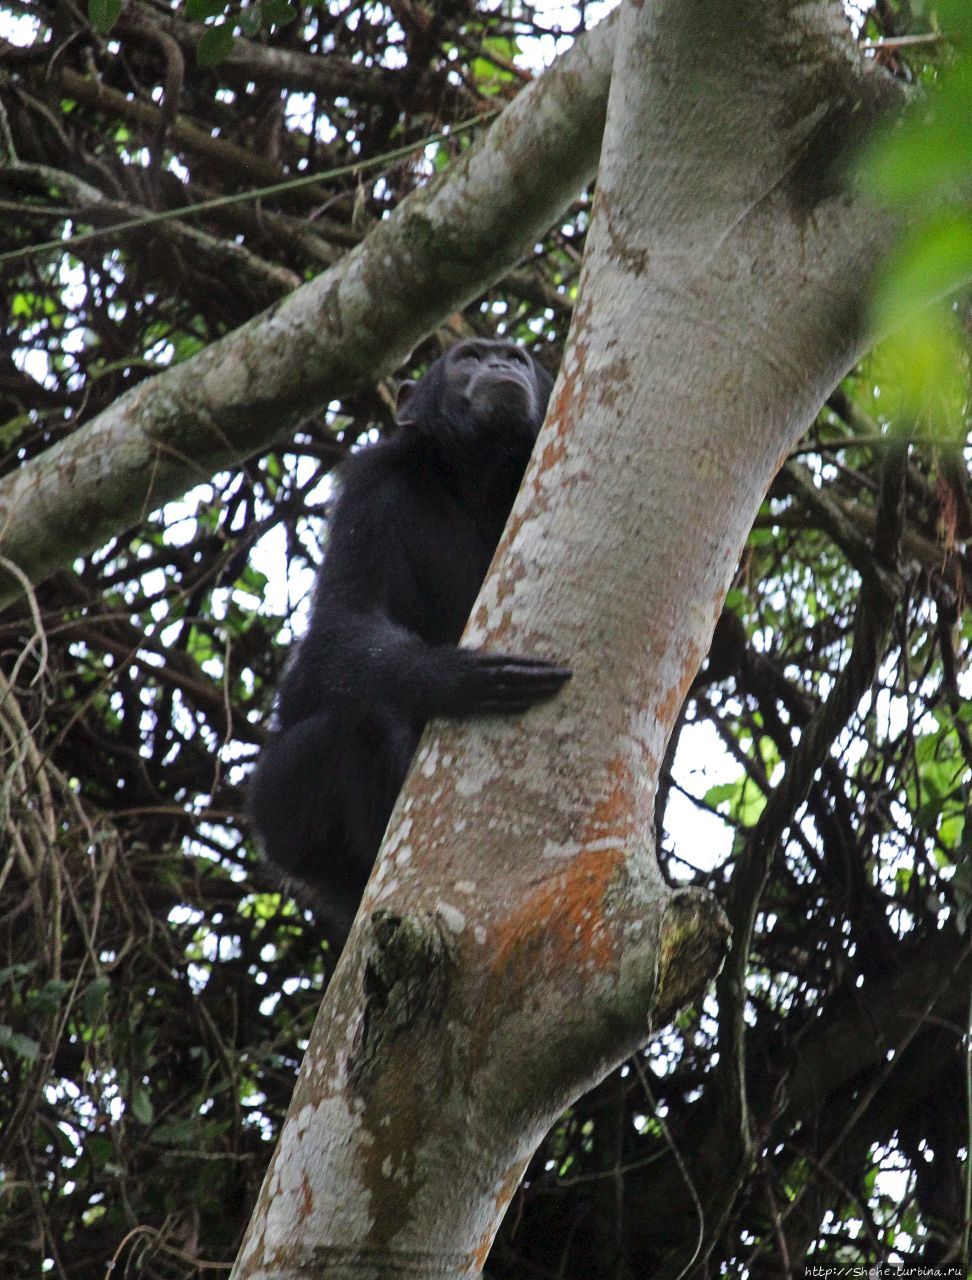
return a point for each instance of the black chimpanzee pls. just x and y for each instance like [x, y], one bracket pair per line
[414, 527]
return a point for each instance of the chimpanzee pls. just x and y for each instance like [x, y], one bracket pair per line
[416, 521]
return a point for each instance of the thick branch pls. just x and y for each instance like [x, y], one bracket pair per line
[351, 326]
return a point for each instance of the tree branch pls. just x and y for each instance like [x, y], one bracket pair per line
[348, 328]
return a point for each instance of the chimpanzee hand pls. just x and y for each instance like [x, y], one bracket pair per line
[474, 682]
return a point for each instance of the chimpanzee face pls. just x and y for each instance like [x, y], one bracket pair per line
[491, 382]
[477, 384]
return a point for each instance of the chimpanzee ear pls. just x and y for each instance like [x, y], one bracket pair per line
[402, 415]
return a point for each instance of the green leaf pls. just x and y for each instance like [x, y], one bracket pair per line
[928, 264]
[924, 377]
[104, 14]
[277, 13]
[180, 1133]
[929, 155]
[951, 831]
[49, 997]
[141, 1105]
[253, 580]
[251, 20]
[17, 970]
[490, 78]
[215, 44]
[954, 17]
[22, 1046]
[200, 646]
[184, 345]
[203, 9]
[95, 998]
[761, 538]
[722, 793]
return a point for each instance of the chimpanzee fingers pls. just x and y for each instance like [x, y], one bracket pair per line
[508, 683]
[519, 663]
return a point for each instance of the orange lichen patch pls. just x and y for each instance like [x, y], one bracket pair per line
[553, 452]
[503, 1197]
[500, 629]
[510, 1184]
[671, 703]
[490, 618]
[513, 526]
[563, 917]
[483, 1248]
[612, 818]
[570, 394]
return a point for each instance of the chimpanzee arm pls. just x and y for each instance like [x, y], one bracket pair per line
[397, 571]
[366, 659]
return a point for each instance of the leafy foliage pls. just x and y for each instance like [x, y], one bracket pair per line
[924, 168]
[157, 988]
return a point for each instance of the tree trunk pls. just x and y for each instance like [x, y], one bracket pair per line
[517, 940]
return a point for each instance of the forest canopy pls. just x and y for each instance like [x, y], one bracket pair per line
[169, 173]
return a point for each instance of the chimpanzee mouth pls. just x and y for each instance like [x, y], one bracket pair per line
[503, 393]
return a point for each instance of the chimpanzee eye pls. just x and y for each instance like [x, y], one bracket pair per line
[513, 355]
[466, 352]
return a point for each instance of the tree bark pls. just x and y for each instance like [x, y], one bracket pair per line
[351, 326]
[517, 940]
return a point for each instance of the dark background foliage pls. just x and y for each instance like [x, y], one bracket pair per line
[156, 990]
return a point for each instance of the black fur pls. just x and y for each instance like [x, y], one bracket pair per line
[414, 527]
